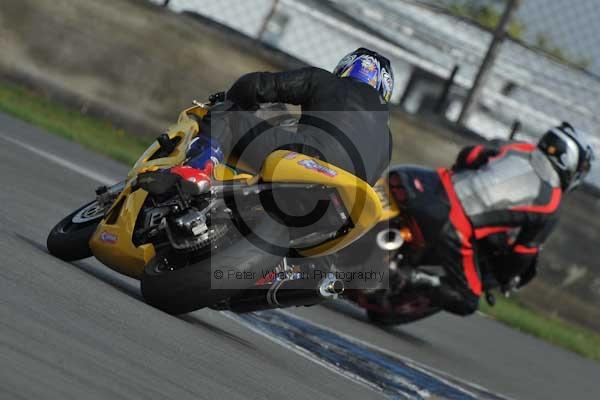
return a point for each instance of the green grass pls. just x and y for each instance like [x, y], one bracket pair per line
[102, 137]
[547, 327]
[90, 132]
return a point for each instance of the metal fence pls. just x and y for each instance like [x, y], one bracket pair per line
[565, 30]
[428, 44]
[549, 69]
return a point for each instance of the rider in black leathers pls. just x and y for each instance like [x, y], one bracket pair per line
[345, 115]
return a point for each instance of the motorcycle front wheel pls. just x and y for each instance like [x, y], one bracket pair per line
[68, 240]
[204, 283]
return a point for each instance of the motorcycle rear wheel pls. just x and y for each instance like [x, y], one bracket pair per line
[420, 311]
[391, 319]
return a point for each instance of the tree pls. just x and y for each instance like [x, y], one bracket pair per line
[484, 14]
[546, 44]
[487, 14]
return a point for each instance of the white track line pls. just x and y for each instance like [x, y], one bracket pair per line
[88, 173]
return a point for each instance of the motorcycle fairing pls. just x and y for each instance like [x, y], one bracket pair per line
[112, 241]
[358, 196]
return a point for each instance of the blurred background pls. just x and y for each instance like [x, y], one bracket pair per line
[466, 71]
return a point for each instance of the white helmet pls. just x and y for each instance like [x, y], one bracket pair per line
[570, 153]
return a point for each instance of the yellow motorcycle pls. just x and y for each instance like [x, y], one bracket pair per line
[229, 248]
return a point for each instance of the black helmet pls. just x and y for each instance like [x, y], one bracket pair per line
[569, 152]
[369, 67]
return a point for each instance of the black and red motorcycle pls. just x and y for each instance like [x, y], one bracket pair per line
[402, 240]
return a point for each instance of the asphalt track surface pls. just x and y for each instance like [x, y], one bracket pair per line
[81, 331]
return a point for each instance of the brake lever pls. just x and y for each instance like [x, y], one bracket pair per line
[216, 98]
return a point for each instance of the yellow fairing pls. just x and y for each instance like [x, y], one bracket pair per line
[224, 173]
[186, 129]
[112, 242]
[358, 196]
[389, 206]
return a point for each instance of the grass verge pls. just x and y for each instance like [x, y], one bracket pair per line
[547, 327]
[90, 132]
[102, 137]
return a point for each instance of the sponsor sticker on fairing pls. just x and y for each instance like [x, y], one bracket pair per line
[315, 166]
[109, 238]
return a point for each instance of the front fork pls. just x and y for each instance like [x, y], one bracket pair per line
[106, 195]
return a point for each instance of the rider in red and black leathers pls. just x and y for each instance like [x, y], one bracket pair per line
[504, 198]
[490, 213]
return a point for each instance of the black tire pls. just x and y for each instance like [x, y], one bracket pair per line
[191, 288]
[69, 240]
[390, 319]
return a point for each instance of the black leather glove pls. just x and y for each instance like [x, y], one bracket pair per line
[243, 94]
[473, 157]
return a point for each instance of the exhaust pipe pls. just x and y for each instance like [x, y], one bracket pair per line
[287, 293]
[389, 239]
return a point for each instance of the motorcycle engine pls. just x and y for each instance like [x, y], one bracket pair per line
[183, 229]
